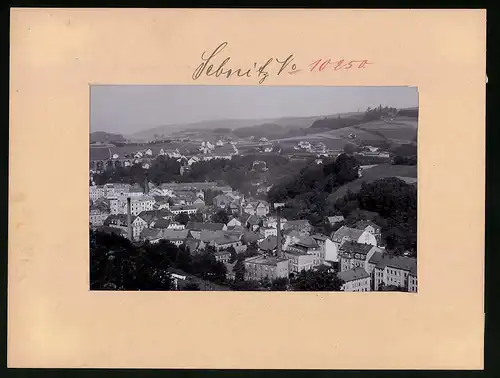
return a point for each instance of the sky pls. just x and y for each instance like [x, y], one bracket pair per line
[126, 109]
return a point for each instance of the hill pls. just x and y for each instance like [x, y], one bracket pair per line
[104, 137]
[375, 173]
[287, 124]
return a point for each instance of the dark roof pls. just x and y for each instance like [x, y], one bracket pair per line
[344, 231]
[353, 274]
[112, 230]
[222, 253]
[399, 262]
[307, 243]
[175, 234]
[376, 258]
[320, 237]
[354, 247]
[161, 223]
[148, 233]
[297, 223]
[269, 244]
[228, 238]
[264, 260]
[198, 226]
[151, 215]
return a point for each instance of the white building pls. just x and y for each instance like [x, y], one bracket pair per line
[137, 204]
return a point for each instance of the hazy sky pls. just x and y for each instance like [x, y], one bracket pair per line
[126, 109]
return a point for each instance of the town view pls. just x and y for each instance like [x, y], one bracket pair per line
[253, 188]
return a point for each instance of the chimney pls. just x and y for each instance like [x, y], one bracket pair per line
[146, 185]
[129, 219]
[278, 232]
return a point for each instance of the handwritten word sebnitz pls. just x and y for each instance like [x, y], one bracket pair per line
[323, 64]
[209, 66]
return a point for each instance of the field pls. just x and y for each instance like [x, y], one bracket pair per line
[375, 173]
[402, 129]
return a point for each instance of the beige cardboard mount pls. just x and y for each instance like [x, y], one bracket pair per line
[55, 321]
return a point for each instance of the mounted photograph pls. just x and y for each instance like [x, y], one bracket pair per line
[253, 188]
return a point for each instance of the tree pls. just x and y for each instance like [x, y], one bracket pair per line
[220, 217]
[322, 279]
[279, 284]
[234, 255]
[197, 217]
[346, 169]
[182, 218]
[192, 286]
[239, 271]
[349, 148]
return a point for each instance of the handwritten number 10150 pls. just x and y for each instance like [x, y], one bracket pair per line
[322, 64]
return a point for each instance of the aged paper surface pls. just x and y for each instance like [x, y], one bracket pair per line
[55, 321]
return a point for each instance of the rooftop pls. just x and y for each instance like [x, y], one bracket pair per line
[353, 274]
[198, 226]
[399, 262]
[354, 247]
[175, 234]
[265, 260]
[344, 231]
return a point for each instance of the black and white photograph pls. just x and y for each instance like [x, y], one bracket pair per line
[253, 188]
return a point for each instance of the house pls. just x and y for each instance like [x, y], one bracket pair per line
[230, 272]
[397, 271]
[138, 204]
[356, 279]
[153, 235]
[299, 260]
[353, 254]
[259, 208]
[250, 221]
[194, 245]
[222, 256]
[262, 266]
[161, 202]
[177, 237]
[252, 237]
[196, 228]
[186, 209]
[121, 221]
[272, 222]
[233, 222]
[269, 245]
[198, 202]
[160, 224]
[292, 237]
[262, 209]
[345, 233]
[333, 220]
[329, 250]
[221, 201]
[309, 246]
[233, 208]
[98, 216]
[227, 240]
[370, 227]
[269, 231]
[150, 216]
[96, 192]
[301, 225]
